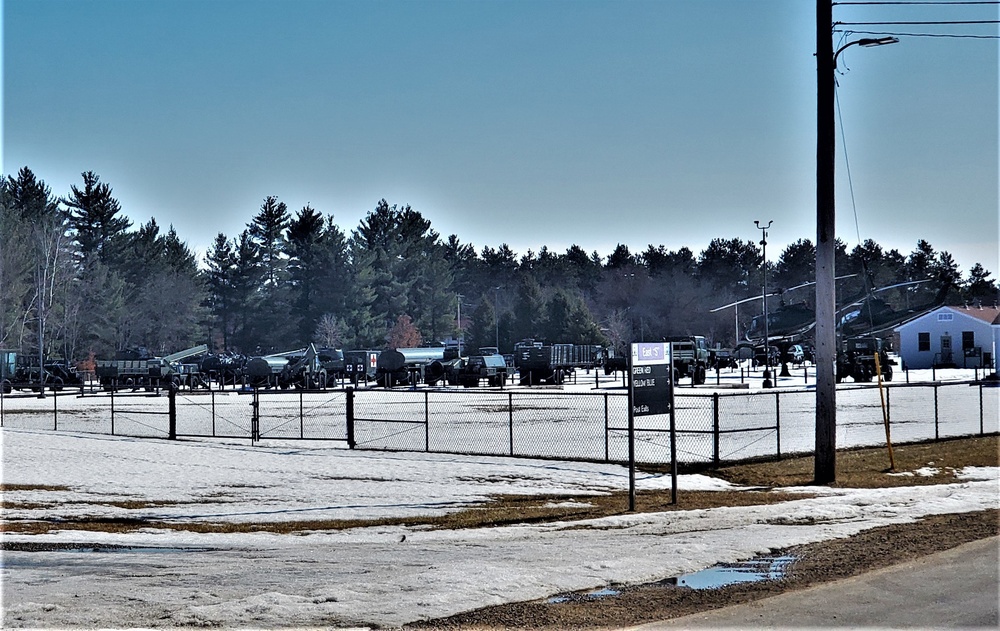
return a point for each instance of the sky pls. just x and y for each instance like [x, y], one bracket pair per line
[383, 575]
[531, 123]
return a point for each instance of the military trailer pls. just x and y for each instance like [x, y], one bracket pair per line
[407, 366]
[538, 362]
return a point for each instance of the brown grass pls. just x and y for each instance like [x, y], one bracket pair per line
[856, 468]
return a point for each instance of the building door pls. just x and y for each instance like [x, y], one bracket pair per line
[946, 352]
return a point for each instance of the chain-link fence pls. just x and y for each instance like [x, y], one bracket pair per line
[710, 427]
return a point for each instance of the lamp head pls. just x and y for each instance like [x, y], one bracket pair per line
[881, 41]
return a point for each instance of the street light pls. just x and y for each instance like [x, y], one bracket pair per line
[826, 301]
[461, 333]
[496, 314]
[866, 42]
[767, 339]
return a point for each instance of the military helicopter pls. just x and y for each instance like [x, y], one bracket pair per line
[871, 315]
[791, 321]
[865, 315]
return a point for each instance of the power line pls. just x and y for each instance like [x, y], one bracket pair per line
[901, 34]
[918, 23]
[912, 3]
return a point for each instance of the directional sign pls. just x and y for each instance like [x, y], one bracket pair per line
[650, 381]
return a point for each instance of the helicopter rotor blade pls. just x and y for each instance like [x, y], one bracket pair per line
[773, 293]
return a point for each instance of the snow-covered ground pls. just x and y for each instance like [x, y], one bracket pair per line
[377, 575]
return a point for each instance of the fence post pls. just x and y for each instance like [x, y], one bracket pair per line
[777, 421]
[212, 392]
[606, 430]
[510, 420]
[937, 435]
[255, 416]
[981, 432]
[715, 428]
[302, 428]
[888, 406]
[55, 411]
[114, 386]
[172, 411]
[350, 418]
[427, 421]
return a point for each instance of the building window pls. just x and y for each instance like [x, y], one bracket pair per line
[946, 317]
[968, 340]
[923, 342]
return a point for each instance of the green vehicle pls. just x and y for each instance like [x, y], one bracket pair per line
[857, 360]
[8, 365]
[690, 355]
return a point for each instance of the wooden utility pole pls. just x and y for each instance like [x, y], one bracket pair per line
[826, 307]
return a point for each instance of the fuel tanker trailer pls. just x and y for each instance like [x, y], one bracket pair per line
[406, 366]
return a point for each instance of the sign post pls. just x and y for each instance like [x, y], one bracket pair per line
[650, 392]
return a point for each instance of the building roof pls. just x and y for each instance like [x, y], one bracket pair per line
[989, 315]
[986, 314]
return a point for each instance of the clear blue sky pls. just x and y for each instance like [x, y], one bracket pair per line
[530, 123]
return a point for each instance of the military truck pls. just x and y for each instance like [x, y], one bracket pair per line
[857, 359]
[491, 368]
[690, 358]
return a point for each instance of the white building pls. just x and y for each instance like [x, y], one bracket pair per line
[961, 337]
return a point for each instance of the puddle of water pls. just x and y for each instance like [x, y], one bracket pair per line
[759, 569]
[752, 571]
[605, 592]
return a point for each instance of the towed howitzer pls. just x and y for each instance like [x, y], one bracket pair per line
[300, 368]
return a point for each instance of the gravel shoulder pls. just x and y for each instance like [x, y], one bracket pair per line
[815, 564]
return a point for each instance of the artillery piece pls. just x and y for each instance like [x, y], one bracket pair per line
[299, 368]
[135, 369]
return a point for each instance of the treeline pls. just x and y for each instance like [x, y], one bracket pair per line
[77, 278]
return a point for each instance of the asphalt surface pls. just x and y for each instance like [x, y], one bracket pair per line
[957, 588]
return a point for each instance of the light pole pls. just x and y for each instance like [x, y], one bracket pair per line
[461, 334]
[496, 314]
[767, 339]
[826, 301]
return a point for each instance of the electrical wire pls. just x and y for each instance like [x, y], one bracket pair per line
[865, 276]
[917, 23]
[847, 33]
[912, 3]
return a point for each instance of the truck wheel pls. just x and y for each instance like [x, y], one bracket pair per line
[699, 375]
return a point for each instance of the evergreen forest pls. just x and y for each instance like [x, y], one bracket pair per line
[80, 280]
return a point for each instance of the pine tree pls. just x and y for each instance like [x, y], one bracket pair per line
[267, 229]
[94, 218]
[220, 264]
[980, 288]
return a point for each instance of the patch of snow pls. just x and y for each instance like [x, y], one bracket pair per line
[381, 575]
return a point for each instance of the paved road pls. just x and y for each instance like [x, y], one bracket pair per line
[957, 588]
